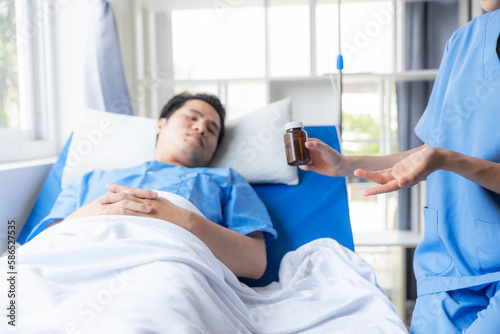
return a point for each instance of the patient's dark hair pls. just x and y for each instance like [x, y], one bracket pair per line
[179, 100]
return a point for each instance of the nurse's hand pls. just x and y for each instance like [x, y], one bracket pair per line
[324, 159]
[122, 200]
[405, 174]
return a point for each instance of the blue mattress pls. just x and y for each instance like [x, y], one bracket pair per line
[316, 208]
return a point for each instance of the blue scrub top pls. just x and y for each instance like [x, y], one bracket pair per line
[461, 245]
[221, 194]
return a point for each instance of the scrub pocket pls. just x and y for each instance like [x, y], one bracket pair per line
[431, 256]
[488, 245]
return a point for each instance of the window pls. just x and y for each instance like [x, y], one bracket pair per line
[205, 46]
[289, 40]
[366, 40]
[9, 78]
[25, 87]
[369, 127]
[252, 52]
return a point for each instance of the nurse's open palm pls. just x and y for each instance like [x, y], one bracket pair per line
[405, 174]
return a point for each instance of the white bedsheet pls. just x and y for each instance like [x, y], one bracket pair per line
[124, 274]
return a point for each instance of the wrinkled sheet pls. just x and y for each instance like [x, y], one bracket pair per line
[124, 274]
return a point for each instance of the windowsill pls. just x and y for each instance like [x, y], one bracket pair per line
[27, 163]
[23, 152]
[413, 75]
[388, 238]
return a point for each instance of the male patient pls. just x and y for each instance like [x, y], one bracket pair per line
[237, 225]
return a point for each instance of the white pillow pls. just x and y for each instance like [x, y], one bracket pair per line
[104, 140]
[252, 144]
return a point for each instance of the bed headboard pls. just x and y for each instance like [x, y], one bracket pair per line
[316, 208]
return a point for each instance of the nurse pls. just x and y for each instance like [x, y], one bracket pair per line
[457, 264]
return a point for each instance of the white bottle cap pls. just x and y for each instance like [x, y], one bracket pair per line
[292, 125]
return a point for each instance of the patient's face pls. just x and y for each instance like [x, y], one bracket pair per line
[490, 5]
[189, 136]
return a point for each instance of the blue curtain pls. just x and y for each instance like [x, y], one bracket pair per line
[105, 83]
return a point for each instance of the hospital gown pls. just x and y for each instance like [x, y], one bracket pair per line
[221, 194]
[457, 264]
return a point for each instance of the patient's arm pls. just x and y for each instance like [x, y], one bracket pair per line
[420, 164]
[244, 255]
[327, 161]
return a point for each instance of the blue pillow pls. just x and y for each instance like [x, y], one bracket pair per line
[47, 197]
[316, 208]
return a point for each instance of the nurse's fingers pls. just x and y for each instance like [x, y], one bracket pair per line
[312, 141]
[381, 177]
[141, 193]
[306, 167]
[408, 179]
[383, 188]
[316, 145]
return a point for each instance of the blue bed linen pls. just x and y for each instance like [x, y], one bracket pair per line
[48, 195]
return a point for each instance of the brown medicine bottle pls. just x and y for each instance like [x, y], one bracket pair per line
[295, 139]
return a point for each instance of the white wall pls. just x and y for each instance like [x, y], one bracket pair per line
[69, 47]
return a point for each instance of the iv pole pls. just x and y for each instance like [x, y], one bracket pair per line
[340, 66]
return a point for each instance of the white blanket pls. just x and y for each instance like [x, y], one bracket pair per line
[124, 274]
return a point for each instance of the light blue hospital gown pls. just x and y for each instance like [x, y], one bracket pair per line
[221, 194]
[457, 265]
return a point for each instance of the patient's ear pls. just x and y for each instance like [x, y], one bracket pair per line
[160, 124]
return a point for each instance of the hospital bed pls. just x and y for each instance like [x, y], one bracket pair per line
[315, 208]
[81, 277]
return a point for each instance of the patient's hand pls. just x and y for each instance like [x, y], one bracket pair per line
[102, 204]
[122, 200]
[405, 174]
[324, 159]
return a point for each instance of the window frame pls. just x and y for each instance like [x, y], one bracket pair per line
[149, 81]
[35, 52]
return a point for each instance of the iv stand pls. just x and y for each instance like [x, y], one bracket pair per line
[340, 66]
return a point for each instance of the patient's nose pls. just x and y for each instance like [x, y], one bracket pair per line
[200, 127]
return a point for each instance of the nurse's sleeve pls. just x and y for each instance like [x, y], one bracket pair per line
[244, 211]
